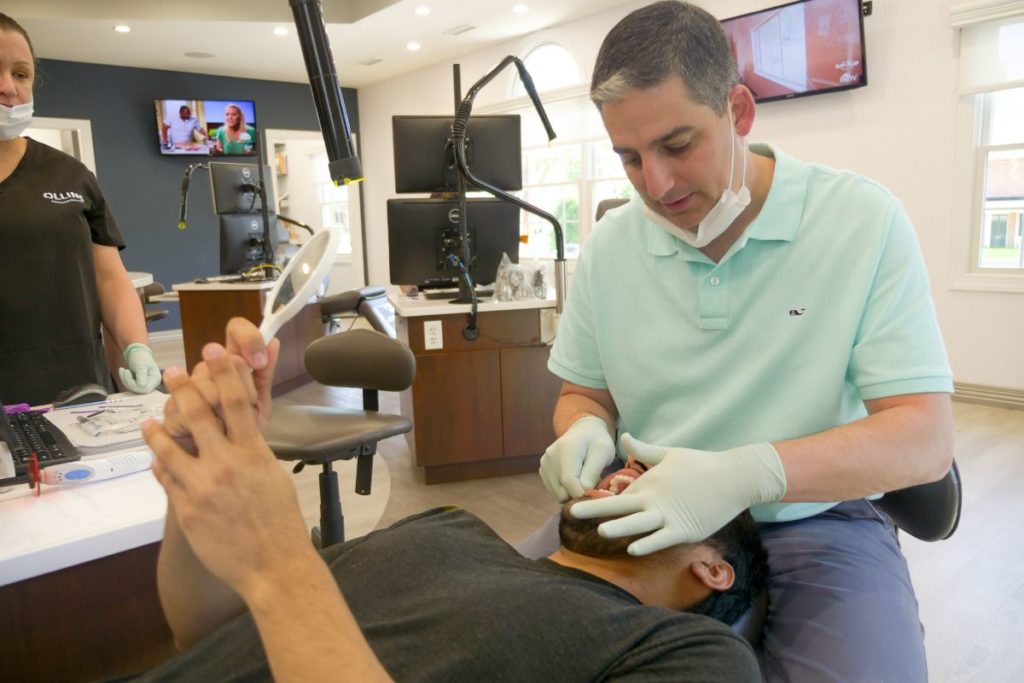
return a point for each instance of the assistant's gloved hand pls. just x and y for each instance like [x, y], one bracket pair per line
[687, 495]
[573, 463]
[142, 374]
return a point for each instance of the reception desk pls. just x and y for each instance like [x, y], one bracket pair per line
[206, 309]
[78, 596]
[480, 408]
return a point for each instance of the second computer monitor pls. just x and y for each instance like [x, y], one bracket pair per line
[422, 232]
[235, 188]
[241, 241]
[425, 161]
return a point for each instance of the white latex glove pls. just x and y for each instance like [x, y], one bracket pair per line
[574, 462]
[142, 374]
[687, 495]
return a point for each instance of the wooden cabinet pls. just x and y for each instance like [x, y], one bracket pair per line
[480, 408]
[206, 310]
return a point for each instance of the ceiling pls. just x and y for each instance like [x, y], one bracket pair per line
[239, 40]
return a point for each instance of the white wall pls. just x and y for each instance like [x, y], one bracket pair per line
[900, 130]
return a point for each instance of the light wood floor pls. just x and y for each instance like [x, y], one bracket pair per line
[970, 587]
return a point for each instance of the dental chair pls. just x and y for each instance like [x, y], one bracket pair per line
[929, 512]
[316, 435]
[605, 205]
[369, 302]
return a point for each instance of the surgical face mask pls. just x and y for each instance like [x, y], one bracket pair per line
[722, 214]
[14, 120]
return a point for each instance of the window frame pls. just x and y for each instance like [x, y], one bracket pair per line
[970, 172]
[983, 112]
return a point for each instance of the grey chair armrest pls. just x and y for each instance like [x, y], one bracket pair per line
[930, 512]
[363, 359]
[348, 301]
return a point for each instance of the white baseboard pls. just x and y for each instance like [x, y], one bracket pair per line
[165, 336]
[993, 396]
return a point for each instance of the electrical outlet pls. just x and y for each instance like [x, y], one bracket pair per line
[433, 338]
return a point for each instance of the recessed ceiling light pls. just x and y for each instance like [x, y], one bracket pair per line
[422, 11]
[412, 46]
[199, 55]
[122, 28]
[280, 31]
[520, 9]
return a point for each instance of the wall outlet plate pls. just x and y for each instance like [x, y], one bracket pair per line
[433, 337]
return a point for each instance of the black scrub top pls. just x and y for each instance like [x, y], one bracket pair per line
[51, 213]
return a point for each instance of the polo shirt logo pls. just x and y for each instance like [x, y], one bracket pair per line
[796, 311]
[64, 197]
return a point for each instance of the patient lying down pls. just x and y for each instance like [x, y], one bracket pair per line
[723, 573]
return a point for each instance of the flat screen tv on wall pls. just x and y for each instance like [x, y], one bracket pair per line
[801, 48]
[206, 127]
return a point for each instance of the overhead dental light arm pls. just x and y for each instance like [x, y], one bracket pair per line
[343, 164]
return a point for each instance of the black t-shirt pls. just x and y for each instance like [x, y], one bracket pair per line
[441, 598]
[51, 213]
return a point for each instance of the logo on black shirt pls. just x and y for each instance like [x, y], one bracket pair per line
[64, 197]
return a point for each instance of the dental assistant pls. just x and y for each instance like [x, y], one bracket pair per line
[61, 275]
[761, 332]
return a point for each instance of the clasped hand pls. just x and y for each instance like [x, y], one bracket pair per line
[233, 501]
[687, 494]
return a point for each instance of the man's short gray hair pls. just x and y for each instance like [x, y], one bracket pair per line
[664, 39]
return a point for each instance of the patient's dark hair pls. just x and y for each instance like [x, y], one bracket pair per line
[738, 542]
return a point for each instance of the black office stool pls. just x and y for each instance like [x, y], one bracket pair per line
[930, 512]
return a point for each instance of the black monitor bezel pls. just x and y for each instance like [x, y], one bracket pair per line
[230, 224]
[226, 183]
[419, 137]
[440, 238]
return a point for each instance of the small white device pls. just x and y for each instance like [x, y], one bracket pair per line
[84, 471]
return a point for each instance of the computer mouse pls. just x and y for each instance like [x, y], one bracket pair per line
[80, 394]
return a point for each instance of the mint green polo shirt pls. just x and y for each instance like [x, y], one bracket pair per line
[821, 304]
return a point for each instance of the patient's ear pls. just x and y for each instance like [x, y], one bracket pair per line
[715, 573]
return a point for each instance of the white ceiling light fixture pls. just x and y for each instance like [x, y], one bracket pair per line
[123, 28]
[459, 30]
[412, 46]
[280, 31]
[520, 9]
[422, 11]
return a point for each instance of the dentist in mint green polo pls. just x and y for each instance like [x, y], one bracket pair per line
[760, 332]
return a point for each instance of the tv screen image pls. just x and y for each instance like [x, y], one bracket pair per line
[801, 48]
[206, 127]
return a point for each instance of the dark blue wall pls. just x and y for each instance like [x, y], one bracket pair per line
[143, 187]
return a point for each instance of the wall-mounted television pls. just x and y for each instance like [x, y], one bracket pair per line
[206, 127]
[801, 48]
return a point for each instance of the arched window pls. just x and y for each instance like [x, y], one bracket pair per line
[571, 175]
[551, 67]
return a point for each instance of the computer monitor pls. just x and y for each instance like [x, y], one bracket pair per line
[235, 188]
[422, 232]
[425, 161]
[241, 241]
